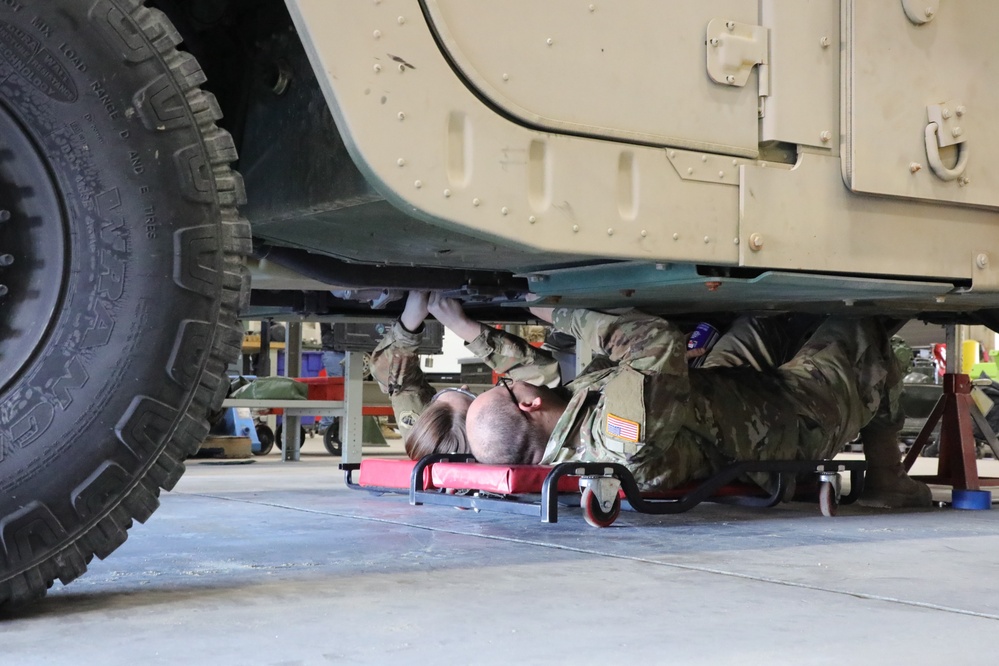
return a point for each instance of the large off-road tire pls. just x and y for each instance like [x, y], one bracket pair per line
[120, 256]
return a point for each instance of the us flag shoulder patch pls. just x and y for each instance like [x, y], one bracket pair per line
[622, 428]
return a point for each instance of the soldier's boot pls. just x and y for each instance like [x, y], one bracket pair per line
[886, 484]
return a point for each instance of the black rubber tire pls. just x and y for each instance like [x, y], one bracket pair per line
[144, 242]
[331, 439]
[279, 439]
[266, 437]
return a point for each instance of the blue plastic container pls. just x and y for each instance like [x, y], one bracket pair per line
[973, 500]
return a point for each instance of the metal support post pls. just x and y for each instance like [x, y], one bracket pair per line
[353, 399]
[292, 444]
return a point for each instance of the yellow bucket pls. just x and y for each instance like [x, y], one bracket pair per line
[970, 355]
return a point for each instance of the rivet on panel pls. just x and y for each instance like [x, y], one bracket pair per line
[378, 68]
[690, 171]
[825, 42]
[956, 132]
[676, 236]
[704, 158]
[982, 260]
[714, 41]
[377, 34]
[735, 241]
[914, 167]
[593, 8]
[960, 111]
[418, 184]
[610, 232]
[756, 242]
[401, 115]
[963, 180]
[721, 174]
[504, 210]
[506, 77]
[575, 228]
[401, 162]
[735, 162]
[402, 68]
[730, 25]
[644, 233]
[730, 79]
[940, 299]
[825, 136]
[476, 201]
[549, 41]
[929, 12]
[401, 20]
[945, 113]
[707, 239]
[447, 194]
[532, 219]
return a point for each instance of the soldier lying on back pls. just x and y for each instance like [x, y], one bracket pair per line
[669, 425]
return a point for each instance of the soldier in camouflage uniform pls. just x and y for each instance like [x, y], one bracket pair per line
[396, 366]
[669, 425]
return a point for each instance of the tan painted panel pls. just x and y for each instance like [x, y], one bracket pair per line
[894, 69]
[429, 143]
[806, 219]
[627, 69]
[803, 105]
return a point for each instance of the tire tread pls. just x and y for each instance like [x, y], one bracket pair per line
[166, 468]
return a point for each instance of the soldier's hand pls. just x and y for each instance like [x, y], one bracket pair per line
[449, 312]
[416, 310]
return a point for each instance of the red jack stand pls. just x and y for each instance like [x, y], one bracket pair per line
[957, 466]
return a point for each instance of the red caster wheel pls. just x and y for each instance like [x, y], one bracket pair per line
[597, 514]
[828, 499]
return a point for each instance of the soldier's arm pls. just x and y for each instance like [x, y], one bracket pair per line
[639, 340]
[508, 354]
[502, 351]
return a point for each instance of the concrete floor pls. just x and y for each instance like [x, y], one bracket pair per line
[280, 563]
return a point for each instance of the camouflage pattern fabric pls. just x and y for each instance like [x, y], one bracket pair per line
[669, 426]
[395, 365]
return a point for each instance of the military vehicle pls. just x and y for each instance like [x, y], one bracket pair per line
[695, 159]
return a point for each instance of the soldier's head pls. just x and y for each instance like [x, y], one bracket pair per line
[511, 423]
[441, 426]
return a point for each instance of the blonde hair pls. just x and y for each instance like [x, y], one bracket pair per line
[439, 429]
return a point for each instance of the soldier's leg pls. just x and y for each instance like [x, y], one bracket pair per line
[847, 379]
[762, 343]
[886, 484]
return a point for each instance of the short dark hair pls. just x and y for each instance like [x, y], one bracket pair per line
[439, 429]
[504, 436]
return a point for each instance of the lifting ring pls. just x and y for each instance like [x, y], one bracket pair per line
[933, 156]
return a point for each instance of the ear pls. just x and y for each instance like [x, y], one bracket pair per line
[532, 406]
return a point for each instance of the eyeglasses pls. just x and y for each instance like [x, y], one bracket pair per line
[455, 389]
[506, 383]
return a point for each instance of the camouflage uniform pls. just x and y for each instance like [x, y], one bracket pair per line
[669, 425]
[396, 367]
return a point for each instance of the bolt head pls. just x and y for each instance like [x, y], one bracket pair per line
[756, 242]
[982, 260]
[914, 167]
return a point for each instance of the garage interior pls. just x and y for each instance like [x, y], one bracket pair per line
[272, 560]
